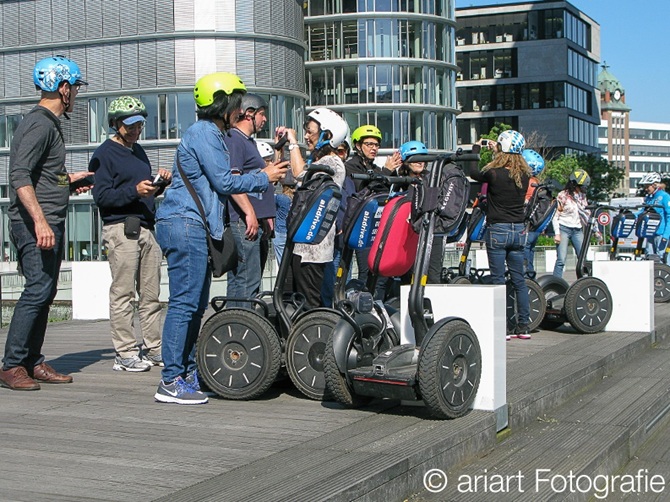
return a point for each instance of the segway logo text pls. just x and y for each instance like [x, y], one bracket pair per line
[316, 220]
[364, 227]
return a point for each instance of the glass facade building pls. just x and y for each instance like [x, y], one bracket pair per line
[532, 66]
[390, 63]
[154, 50]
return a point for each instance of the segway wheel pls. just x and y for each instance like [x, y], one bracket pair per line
[661, 283]
[305, 346]
[238, 354]
[449, 369]
[553, 289]
[588, 305]
[339, 384]
[537, 301]
[460, 279]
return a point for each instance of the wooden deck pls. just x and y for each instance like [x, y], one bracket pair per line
[103, 438]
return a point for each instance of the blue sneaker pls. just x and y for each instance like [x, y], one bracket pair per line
[193, 381]
[179, 392]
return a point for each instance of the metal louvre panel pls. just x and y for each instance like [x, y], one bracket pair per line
[165, 158]
[3, 64]
[13, 60]
[263, 61]
[129, 9]
[263, 16]
[277, 65]
[225, 16]
[43, 25]
[76, 19]
[152, 155]
[245, 61]
[225, 57]
[93, 19]
[165, 62]
[111, 19]
[147, 63]
[27, 23]
[95, 64]
[184, 63]
[184, 15]
[277, 12]
[294, 21]
[59, 11]
[79, 54]
[146, 16]
[75, 130]
[295, 71]
[244, 16]
[26, 65]
[111, 67]
[77, 161]
[4, 169]
[130, 58]
[164, 16]
[10, 25]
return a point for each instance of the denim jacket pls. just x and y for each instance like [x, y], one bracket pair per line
[205, 160]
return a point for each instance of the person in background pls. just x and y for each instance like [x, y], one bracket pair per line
[655, 194]
[203, 157]
[344, 149]
[39, 190]
[251, 215]
[570, 213]
[324, 132]
[536, 164]
[125, 193]
[508, 176]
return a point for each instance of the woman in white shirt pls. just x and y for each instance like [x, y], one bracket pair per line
[569, 216]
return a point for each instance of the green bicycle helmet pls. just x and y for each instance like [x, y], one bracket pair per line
[207, 86]
[123, 107]
[366, 131]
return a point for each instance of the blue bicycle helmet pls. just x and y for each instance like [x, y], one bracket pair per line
[511, 142]
[50, 72]
[534, 161]
[412, 148]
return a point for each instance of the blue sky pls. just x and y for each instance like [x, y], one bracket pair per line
[633, 42]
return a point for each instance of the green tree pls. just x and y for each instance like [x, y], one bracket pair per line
[605, 178]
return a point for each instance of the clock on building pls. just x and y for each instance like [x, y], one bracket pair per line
[617, 95]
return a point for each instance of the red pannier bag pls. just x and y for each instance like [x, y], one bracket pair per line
[394, 248]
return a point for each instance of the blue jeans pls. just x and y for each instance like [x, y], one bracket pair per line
[329, 276]
[529, 251]
[279, 243]
[568, 235]
[505, 243]
[246, 281]
[653, 246]
[184, 244]
[40, 269]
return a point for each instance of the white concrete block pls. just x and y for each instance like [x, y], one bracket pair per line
[90, 289]
[631, 284]
[469, 302]
[550, 260]
[481, 259]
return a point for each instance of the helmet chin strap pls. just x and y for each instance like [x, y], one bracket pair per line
[66, 101]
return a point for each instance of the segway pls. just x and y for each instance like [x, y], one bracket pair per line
[587, 303]
[364, 358]
[239, 350]
[645, 225]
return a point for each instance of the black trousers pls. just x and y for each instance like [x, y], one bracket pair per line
[307, 280]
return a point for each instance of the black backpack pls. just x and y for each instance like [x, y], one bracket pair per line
[539, 210]
[449, 200]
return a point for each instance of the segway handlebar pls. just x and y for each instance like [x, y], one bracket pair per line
[386, 180]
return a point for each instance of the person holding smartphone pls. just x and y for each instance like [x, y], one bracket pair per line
[508, 176]
[125, 192]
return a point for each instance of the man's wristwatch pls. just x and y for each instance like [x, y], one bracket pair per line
[291, 146]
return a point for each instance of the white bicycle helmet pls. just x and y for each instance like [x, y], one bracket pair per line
[511, 142]
[264, 149]
[649, 179]
[328, 120]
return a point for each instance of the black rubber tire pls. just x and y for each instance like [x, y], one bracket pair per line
[460, 279]
[661, 283]
[588, 305]
[336, 382]
[305, 346]
[552, 286]
[538, 304]
[450, 369]
[238, 354]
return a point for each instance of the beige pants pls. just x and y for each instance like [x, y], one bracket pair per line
[135, 264]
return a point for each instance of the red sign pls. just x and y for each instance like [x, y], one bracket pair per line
[604, 219]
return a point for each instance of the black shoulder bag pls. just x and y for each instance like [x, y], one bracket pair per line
[222, 253]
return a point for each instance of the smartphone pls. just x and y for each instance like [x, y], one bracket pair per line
[484, 143]
[159, 181]
[83, 182]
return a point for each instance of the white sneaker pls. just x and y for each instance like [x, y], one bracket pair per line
[133, 363]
